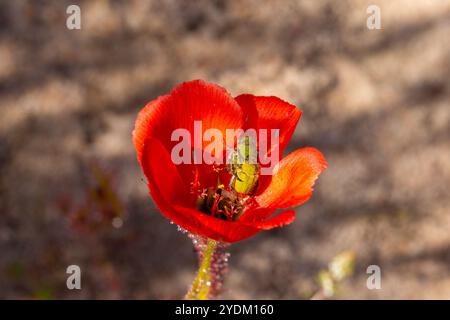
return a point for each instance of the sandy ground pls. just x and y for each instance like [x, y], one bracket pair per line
[376, 102]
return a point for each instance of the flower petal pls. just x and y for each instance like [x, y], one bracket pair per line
[145, 123]
[164, 179]
[280, 220]
[188, 102]
[214, 228]
[270, 113]
[293, 179]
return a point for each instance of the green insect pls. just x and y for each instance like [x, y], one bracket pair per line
[244, 167]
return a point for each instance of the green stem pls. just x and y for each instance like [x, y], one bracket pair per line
[201, 287]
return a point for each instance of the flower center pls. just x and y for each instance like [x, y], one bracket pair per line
[221, 203]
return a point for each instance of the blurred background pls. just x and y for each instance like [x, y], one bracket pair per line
[376, 102]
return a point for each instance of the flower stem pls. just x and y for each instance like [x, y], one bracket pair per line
[211, 270]
[202, 282]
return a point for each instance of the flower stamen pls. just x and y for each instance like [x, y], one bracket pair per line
[221, 203]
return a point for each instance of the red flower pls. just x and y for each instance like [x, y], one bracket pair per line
[197, 197]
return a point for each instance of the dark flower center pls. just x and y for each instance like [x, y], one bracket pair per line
[220, 203]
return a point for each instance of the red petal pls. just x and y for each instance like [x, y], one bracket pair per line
[145, 122]
[188, 102]
[281, 219]
[270, 113]
[164, 179]
[293, 179]
[214, 228]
